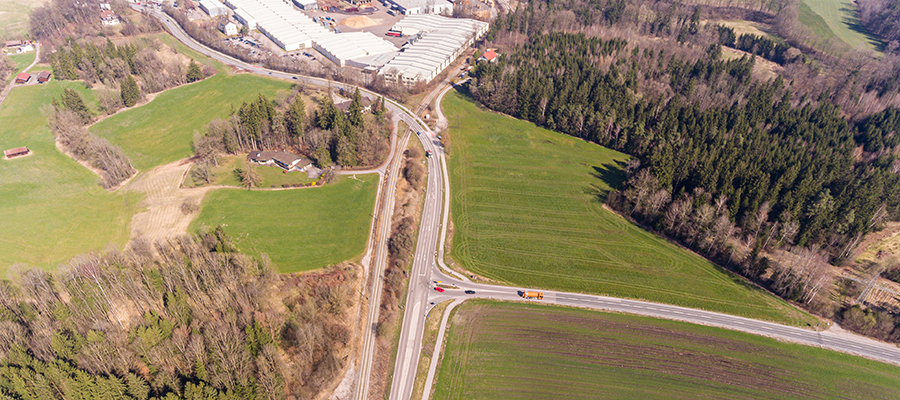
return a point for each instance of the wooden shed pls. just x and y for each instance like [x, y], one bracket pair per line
[23, 78]
[18, 151]
[43, 77]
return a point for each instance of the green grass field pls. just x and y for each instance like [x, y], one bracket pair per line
[840, 19]
[300, 229]
[527, 351]
[526, 207]
[161, 132]
[51, 208]
[14, 17]
[272, 176]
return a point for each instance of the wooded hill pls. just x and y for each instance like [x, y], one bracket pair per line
[189, 318]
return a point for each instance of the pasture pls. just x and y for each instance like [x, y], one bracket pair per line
[299, 229]
[515, 350]
[840, 19]
[272, 176]
[527, 209]
[51, 207]
[14, 17]
[161, 131]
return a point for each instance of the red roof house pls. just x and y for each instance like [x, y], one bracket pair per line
[19, 151]
[23, 78]
[490, 55]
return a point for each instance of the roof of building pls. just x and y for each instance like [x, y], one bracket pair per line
[285, 157]
[345, 46]
[412, 4]
[434, 41]
[489, 55]
[107, 14]
[44, 75]
[15, 151]
[24, 75]
[11, 43]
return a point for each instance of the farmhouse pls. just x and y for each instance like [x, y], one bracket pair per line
[109, 18]
[284, 159]
[23, 78]
[13, 43]
[489, 56]
[18, 151]
[43, 77]
[345, 105]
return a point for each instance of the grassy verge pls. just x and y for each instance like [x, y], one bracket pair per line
[300, 229]
[515, 350]
[527, 211]
[51, 207]
[429, 338]
[840, 19]
[272, 177]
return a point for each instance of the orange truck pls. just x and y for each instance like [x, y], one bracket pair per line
[533, 295]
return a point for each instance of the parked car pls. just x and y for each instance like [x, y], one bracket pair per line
[439, 289]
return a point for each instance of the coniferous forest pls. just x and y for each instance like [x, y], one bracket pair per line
[723, 154]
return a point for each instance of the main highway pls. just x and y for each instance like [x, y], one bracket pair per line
[426, 267]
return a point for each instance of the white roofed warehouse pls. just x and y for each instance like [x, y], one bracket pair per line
[435, 42]
[343, 47]
[213, 7]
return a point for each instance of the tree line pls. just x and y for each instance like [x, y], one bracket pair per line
[67, 117]
[186, 318]
[881, 17]
[327, 135]
[125, 72]
[7, 66]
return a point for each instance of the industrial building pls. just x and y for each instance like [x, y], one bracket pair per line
[213, 8]
[307, 4]
[288, 28]
[416, 7]
[341, 48]
[434, 43]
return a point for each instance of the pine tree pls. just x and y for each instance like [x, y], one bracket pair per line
[194, 73]
[130, 91]
[71, 100]
[295, 118]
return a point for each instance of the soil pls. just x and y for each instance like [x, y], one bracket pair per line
[163, 217]
[879, 245]
[359, 22]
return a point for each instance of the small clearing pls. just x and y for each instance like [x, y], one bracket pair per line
[744, 27]
[163, 217]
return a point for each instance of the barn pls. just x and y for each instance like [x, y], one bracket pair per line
[23, 78]
[17, 152]
[43, 77]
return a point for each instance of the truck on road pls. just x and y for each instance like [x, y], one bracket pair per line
[533, 295]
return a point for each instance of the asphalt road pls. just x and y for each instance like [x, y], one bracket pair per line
[422, 297]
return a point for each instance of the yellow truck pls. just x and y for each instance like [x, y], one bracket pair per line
[533, 295]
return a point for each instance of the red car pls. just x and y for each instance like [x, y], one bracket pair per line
[439, 289]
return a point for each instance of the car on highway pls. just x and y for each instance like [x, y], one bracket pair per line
[470, 291]
[418, 133]
[427, 153]
[293, 77]
[439, 289]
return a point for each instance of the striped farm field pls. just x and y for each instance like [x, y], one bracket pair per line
[841, 20]
[529, 351]
[527, 211]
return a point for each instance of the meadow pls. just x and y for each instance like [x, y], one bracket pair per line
[515, 350]
[271, 176]
[839, 17]
[161, 131]
[14, 17]
[527, 209]
[299, 229]
[51, 207]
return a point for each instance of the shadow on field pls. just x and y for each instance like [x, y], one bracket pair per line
[612, 175]
[852, 21]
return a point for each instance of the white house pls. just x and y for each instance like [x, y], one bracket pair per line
[229, 29]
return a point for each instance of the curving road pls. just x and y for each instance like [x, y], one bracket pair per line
[421, 297]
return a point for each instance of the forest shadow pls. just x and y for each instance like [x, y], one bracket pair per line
[852, 21]
[613, 175]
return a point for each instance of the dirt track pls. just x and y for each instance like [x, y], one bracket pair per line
[163, 217]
